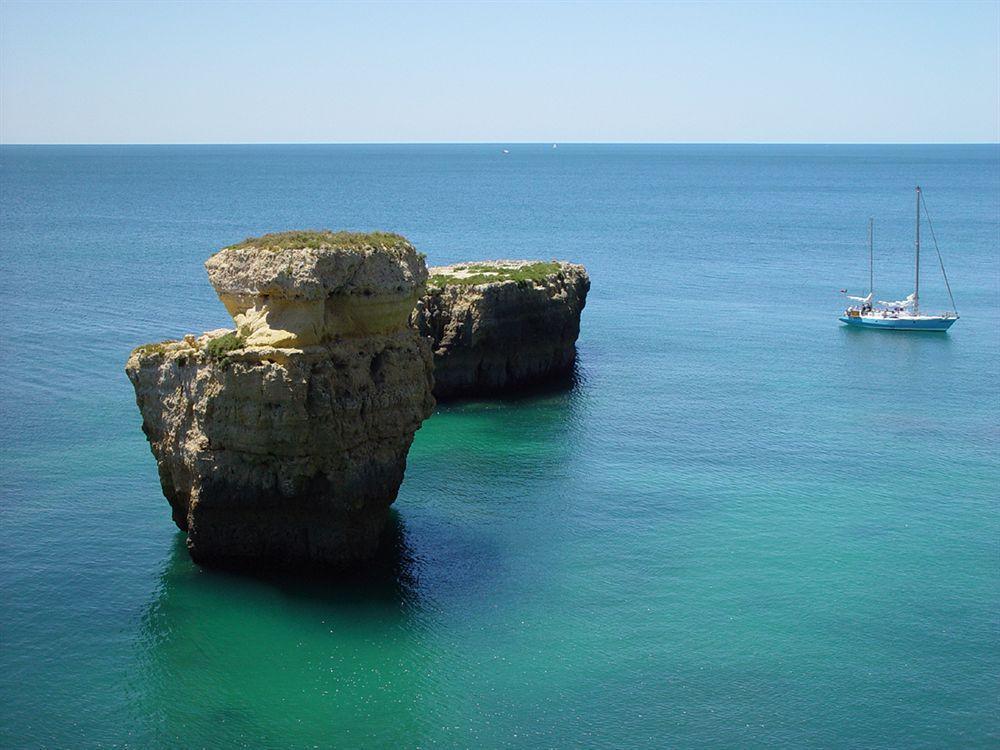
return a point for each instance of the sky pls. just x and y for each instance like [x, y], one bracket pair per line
[250, 72]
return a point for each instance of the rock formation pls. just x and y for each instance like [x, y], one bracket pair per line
[497, 325]
[286, 440]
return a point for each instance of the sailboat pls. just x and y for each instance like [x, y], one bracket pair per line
[904, 314]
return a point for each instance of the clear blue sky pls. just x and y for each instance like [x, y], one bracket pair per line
[221, 72]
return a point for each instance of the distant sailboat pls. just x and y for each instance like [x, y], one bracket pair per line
[900, 315]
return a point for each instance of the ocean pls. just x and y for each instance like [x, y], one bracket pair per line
[744, 525]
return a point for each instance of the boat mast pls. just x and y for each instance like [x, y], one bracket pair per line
[916, 281]
[871, 255]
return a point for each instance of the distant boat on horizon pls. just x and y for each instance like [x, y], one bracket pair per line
[900, 315]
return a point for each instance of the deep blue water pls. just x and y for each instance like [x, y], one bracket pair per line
[744, 526]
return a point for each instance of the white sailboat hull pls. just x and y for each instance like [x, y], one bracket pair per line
[903, 323]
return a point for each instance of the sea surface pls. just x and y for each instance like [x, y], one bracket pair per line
[743, 526]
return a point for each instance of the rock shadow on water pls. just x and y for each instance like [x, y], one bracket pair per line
[561, 383]
[388, 579]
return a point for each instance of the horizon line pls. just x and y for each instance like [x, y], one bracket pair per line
[506, 143]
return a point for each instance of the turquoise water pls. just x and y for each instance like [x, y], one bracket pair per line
[746, 525]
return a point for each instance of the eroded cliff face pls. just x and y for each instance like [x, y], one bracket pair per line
[286, 442]
[497, 325]
[281, 293]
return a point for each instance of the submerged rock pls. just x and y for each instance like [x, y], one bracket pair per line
[498, 325]
[286, 440]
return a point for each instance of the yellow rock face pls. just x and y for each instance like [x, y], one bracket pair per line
[286, 323]
[297, 322]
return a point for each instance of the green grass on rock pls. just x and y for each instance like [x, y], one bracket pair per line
[484, 273]
[321, 239]
[219, 347]
[147, 350]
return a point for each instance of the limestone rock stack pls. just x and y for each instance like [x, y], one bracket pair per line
[498, 325]
[285, 441]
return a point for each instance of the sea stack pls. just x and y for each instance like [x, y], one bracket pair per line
[285, 441]
[499, 325]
